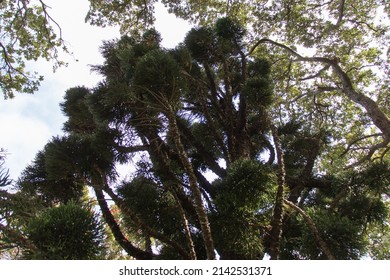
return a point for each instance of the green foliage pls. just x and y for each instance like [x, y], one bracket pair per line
[27, 33]
[201, 43]
[156, 78]
[245, 187]
[78, 156]
[35, 180]
[67, 232]
[134, 15]
[258, 91]
[4, 174]
[243, 201]
[210, 44]
[349, 212]
[342, 235]
[153, 203]
[229, 29]
[80, 119]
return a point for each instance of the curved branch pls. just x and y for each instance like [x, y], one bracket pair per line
[378, 117]
[315, 75]
[313, 229]
[117, 232]
[150, 231]
[358, 140]
[383, 144]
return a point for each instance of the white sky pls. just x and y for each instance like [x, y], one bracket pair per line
[27, 122]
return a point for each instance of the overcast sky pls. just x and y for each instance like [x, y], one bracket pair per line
[27, 122]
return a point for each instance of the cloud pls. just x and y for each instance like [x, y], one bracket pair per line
[22, 137]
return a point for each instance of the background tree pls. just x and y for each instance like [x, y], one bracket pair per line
[28, 32]
[46, 218]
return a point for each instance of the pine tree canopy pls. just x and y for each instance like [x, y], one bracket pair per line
[235, 147]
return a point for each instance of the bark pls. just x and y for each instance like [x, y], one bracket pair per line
[183, 216]
[277, 219]
[141, 224]
[313, 229]
[116, 230]
[198, 202]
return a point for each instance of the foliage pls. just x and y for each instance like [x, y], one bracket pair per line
[297, 146]
[193, 110]
[345, 71]
[242, 209]
[68, 232]
[27, 33]
[4, 174]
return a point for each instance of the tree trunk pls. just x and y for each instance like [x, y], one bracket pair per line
[196, 193]
[277, 219]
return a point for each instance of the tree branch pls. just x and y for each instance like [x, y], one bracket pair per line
[313, 229]
[278, 215]
[341, 12]
[134, 217]
[197, 196]
[358, 140]
[373, 149]
[116, 230]
[378, 117]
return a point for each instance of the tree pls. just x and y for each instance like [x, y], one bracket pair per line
[27, 33]
[241, 145]
[341, 88]
[345, 78]
[207, 108]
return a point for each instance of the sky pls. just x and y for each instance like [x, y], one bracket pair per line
[29, 121]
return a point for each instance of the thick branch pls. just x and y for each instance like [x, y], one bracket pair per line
[117, 232]
[313, 229]
[341, 12]
[200, 209]
[183, 216]
[378, 117]
[146, 228]
[277, 219]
